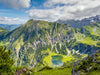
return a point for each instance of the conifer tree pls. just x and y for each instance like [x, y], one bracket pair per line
[5, 60]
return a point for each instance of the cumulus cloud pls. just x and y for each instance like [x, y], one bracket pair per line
[44, 14]
[16, 3]
[66, 9]
[7, 20]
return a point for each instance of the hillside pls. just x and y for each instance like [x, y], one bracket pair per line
[37, 41]
[88, 66]
[3, 32]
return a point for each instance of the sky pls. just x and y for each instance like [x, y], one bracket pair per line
[20, 11]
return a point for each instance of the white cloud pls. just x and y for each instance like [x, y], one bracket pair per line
[73, 3]
[7, 20]
[44, 14]
[66, 9]
[16, 3]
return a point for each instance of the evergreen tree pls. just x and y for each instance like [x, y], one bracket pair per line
[5, 60]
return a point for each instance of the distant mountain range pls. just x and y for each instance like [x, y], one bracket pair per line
[3, 32]
[9, 27]
[81, 23]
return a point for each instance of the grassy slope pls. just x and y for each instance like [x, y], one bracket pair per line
[91, 73]
[47, 59]
[65, 71]
[64, 58]
[90, 32]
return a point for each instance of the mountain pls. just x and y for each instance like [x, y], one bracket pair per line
[42, 43]
[36, 39]
[81, 23]
[9, 27]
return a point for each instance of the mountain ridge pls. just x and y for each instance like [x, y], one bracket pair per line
[80, 23]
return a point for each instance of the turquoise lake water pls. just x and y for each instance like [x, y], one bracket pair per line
[56, 60]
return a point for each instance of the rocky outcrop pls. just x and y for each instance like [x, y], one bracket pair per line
[21, 71]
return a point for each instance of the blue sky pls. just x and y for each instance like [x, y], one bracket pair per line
[19, 11]
[6, 11]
